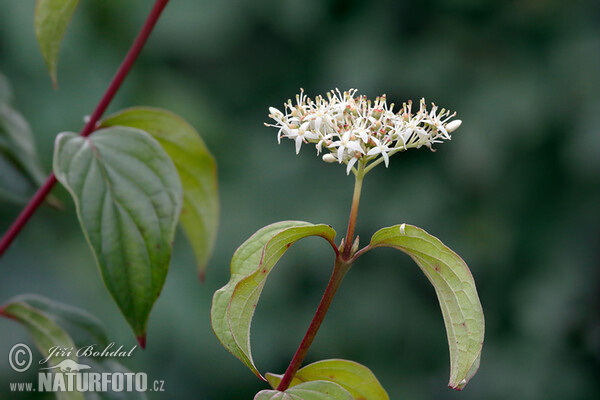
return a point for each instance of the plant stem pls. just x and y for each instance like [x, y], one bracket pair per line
[343, 262]
[89, 127]
[339, 271]
[353, 213]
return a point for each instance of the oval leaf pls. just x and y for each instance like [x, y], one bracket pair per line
[21, 169]
[316, 390]
[128, 198]
[195, 165]
[455, 288]
[45, 334]
[357, 379]
[51, 20]
[233, 305]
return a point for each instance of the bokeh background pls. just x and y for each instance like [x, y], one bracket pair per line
[516, 192]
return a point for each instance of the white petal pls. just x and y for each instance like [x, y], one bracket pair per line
[310, 135]
[318, 123]
[350, 164]
[340, 154]
[298, 143]
[275, 112]
[355, 147]
[373, 151]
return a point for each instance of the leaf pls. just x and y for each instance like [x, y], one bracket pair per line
[316, 390]
[128, 198]
[45, 334]
[233, 305]
[51, 20]
[63, 316]
[357, 379]
[455, 288]
[69, 317]
[21, 169]
[275, 379]
[195, 165]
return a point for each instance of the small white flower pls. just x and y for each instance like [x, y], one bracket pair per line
[353, 159]
[380, 148]
[346, 145]
[302, 134]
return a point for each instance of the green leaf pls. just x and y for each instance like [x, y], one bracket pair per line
[51, 20]
[128, 198]
[275, 379]
[357, 379]
[69, 317]
[195, 165]
[21, 170]
[455, 288]
[316, 390]
[45, 334]
[62, 316]
[233, 305]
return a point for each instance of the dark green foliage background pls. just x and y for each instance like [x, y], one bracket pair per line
[516, 193]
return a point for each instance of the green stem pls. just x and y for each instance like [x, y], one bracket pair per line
[353, 213]
[339, 271]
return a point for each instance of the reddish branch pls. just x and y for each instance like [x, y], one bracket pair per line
[89, 127]
[339, 271]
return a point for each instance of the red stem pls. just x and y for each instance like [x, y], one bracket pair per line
[89, 127]
[340, 269]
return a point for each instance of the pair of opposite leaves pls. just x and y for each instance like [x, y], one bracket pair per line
[234, 304]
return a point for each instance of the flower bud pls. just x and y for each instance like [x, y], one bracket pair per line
[452, 126]
[355, 246]
[329, 158]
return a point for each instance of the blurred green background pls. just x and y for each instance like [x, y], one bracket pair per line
[516, 192]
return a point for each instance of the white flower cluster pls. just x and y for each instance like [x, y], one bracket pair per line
[357, 130]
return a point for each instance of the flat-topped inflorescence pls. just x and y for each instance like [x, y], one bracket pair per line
[359, 132]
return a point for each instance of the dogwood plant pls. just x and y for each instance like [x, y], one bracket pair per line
[361, 134]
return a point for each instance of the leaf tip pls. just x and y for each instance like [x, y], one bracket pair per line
[142, 341]
[54, 80]
[202, 276]
[460, 386]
